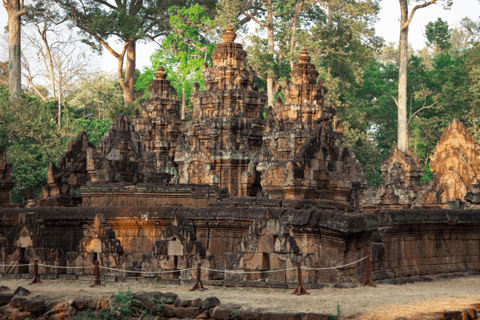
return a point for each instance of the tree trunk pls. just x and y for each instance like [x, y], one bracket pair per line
[15, 11]
[294, 32]
[330, 25]
[128, 95]
[59, 98]
[271, 48]
[51, 69]
[402, 78]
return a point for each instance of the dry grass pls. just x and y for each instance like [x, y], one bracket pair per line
[383, 302]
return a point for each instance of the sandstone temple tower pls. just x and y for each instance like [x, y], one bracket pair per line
[225, 133]
[302, 156]
[159, 123]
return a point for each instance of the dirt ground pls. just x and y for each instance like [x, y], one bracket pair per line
[382, 302]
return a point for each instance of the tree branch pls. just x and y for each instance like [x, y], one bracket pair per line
[420, 6]
[388, 94]
[107, 4]
[254, 19]
[422, 108]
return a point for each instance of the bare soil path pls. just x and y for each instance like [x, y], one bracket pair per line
[383, 302]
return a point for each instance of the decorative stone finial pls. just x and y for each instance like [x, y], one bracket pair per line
[304, 58]
[229, 35]
[160, 74]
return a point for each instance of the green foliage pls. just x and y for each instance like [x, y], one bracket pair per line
[29, 131]
[438, 34]
[366, 150]
[183, 52]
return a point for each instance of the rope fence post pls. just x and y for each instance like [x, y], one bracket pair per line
[368, 281]
[198, 284]
[300, 289]
[36, 278]
[97, 275]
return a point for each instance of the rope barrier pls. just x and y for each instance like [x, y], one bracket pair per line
[242, 272]
[63, 267]
[153, 272]
[348, 264]
[182, 270]
[16, 265]
[198, 284]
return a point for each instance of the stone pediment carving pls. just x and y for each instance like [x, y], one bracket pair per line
[121, 156]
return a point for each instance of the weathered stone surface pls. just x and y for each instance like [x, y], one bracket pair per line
[150, 300]
[35, 305]
[99, 244]
[5, 298]
[159, 123]
[149, 194]
[225, 134]
[66, 178]
[21, 291]
[401, 173]
[302, 156]
[209, 303]
[457, 170]
[121, 156]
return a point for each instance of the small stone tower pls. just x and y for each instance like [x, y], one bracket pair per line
[159, 122]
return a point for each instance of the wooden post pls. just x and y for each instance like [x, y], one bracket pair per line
[368, 281]
[300, 289]
[198, 284]
[36, 278]
[97, 274]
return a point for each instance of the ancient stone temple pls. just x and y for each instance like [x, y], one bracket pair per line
[6, 183]
[457, 170]
[159, 123]
[302, 156]
[121, 156]
[225, 134]
[246, 197]
[66, 178]
[401, 173]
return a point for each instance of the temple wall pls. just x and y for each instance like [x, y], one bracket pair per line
[144, 194]
[422, 242]
[403, 242]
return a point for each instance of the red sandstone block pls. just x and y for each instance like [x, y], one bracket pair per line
[265, 244]
[254, 276]
[175, 248]
[255, 261]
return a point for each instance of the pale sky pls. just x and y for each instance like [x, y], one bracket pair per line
[387, 27]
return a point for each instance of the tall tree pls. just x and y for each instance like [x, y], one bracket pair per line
[405, 19]
[55, 56]
[126, 20]
[15, 11]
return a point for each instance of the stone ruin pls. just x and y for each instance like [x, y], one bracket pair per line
[235, 191]
[455, 184]
[302, 156]
[159, 123]
[66, 178]
[99, 244]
